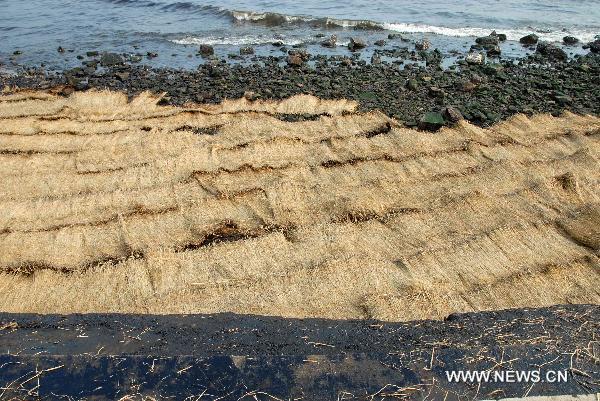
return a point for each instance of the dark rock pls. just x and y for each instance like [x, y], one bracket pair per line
[122, 76]
[356, 44]
[330, 42]
[248, 50]
[422, 44]
[303, 54]
[295, 60]
[562, 99]
[594, 46]
[92, 53]
[434, 91]
[17, 52]
[477, 79]
[60, 49]
[500, 36]
[493, 69]
[380, 42]
[432, 58]
[90, 63]
[452, 114]
[494, 51]
[367, 96]
[530, 39]
[151, 54]
[551, 51]
[393, 36]
[412, 84]
[431, 121]
[467, 86]
[206, 50]
[110, 59]
[570, 40]
[487, 40]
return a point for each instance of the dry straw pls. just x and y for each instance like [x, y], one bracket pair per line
[112, 205]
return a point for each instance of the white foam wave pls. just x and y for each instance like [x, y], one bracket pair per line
[511, 34]
[270, 18]
[233, 41]
[257, 16]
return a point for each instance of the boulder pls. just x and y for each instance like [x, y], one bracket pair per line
[431, 121]
[562, 99]
[380, 42]
[493, 51]
[206, 50]
[570, 40]
[295, 60]
[246, 51]
[303, 54]
[452, 114]
[90, 63]
[500, 36]
[487, 40]
[412, 84]
[356, 44]
[422, 44]
[530, 39]
[330, 42]
[551, 51]
[393, 36]
[594, 46]
[467, 86]
[434, 91]
[110, 59]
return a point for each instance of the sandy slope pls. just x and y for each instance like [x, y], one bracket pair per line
[110, 206]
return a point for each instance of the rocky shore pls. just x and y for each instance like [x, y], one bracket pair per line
[419, 94]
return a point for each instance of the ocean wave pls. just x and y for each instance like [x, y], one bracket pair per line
[276, 19]
[511, 34]
[234, 40]
[184, 6]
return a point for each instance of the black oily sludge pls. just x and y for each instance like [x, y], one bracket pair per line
[230, 357]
